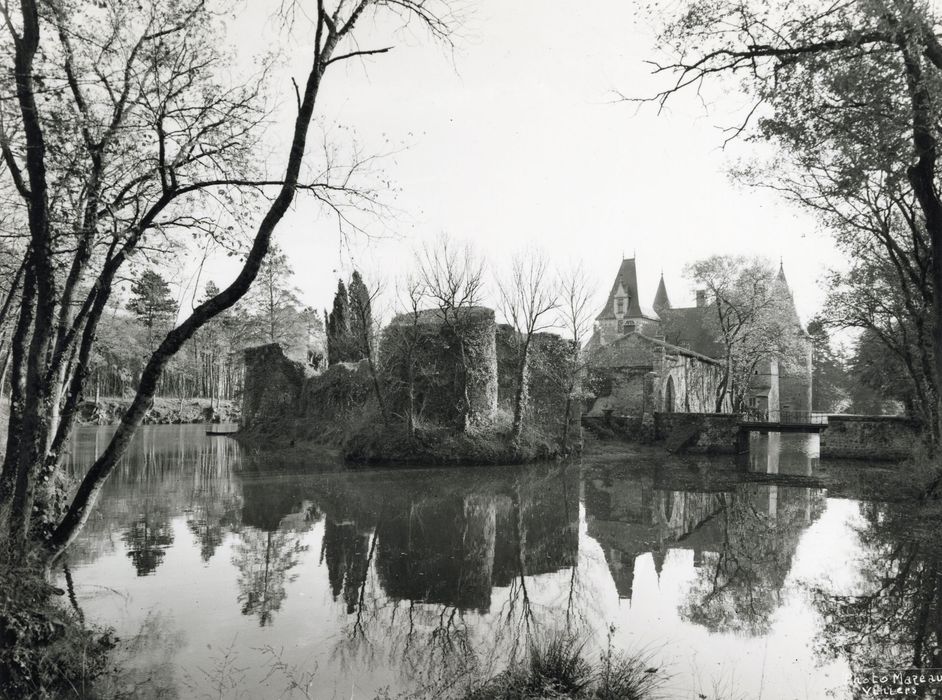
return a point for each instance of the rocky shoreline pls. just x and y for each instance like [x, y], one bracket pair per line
[165, 411]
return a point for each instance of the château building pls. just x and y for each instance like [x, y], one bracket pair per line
[660, 358]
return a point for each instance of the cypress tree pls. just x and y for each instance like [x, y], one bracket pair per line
[338, 327]
[361, 318]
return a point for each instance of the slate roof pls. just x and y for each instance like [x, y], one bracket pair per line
[661, 300]
[628, 278]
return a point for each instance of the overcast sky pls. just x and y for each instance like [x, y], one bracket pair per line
[515, 139]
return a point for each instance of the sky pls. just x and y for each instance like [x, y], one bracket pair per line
[515, 139]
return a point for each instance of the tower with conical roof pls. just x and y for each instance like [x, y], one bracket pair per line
[624, 312]
[661, 301]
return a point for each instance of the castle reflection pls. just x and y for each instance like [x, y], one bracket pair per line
[451, 537]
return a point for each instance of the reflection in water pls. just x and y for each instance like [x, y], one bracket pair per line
[893, 620]
[417, 578]
[148, 538]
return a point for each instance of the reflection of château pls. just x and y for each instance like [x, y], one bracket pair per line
[743, 536]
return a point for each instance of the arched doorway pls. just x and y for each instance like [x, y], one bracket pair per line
[669, 396]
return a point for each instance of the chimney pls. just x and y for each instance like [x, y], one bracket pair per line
[701, 297]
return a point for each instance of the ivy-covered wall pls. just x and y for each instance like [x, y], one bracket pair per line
[450, 363]
[459, 371]
[283, 402]
[549, 365]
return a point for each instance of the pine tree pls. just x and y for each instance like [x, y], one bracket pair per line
[152, 303]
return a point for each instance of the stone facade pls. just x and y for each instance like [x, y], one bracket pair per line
[687, 338]
[638, 376]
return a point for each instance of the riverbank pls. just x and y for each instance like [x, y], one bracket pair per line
[109, 410]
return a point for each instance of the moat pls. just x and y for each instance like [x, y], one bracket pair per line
[225, 575]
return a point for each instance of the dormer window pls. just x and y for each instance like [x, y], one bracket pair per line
[619, 306]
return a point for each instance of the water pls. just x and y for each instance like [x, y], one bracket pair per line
[226, 575]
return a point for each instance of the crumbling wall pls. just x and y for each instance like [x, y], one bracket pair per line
[272, 384]
[282, 402]
[450, 365]
[549, 365]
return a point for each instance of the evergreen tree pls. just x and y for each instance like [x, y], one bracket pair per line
[361, 319]
[152, 303]
[338, 327]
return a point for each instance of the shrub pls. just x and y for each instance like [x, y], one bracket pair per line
[46, 650]
[558, 669]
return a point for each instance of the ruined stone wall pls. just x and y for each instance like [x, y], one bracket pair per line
[272, 384]
[869, 437]
[431, 350]
[282, 401]
[549, 365]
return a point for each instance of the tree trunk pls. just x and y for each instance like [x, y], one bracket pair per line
[520, 391]
[91, 486]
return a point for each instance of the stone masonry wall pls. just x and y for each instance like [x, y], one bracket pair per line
[717, 433]
[432, 349]
[273, 384]
[869, 437]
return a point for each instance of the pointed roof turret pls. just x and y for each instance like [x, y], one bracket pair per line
[781, 273]
[661, 300]
[627, 282]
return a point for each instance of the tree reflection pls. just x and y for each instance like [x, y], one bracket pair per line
[264, 560]
[739, 587]
[416, 558]
[894, 621]
[147, 540]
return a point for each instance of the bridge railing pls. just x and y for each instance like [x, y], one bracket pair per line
[753, 415]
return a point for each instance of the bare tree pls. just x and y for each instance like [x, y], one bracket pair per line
[574, 316]
[528, 296]
[452, 278]
[114, 137]
[406, 336]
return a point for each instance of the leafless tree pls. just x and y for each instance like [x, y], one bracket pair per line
[116, 132]
[452, 278]
[574, 316]
[528, 297]
[407, 337]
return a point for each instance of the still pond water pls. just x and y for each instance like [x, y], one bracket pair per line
[228, 576]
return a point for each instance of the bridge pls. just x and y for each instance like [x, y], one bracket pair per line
[777, 422]
[783, 422]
